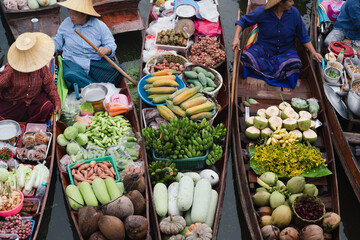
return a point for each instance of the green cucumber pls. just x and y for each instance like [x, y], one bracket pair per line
[198, 83]
[112, 189]
[186, 192]
[210, 75]
[76, 201]
[210, 82]
[191, 74]
[199, 70]
[100, 191]
[88, 194]
[160, 199]
[208, 89]
[202, 79]
[201, 203]
[212, 209]
[121, 187]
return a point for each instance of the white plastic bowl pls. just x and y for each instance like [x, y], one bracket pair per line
[330, 79]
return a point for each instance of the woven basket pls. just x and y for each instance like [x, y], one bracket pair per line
[218, 78]
[159, 58]
[188, 53]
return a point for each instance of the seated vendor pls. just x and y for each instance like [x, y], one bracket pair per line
[81, 64]
[347, 24]
[273, 56]
[27, 89]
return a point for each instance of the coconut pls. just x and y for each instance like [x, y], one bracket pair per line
[263, 211]
[296, 184]
[252, 132]
[281, 216]
[331, 221]
[289, 233]
[261, 198]
[269, 178]
[112, 227]
[304, 124]
[283, 105]
[280, 184]
[311, 190]
[287, 203]
[120, 207]
[260, 189]
[298, 134]
[293, 197]
[266, 132]
[272, 111]
[290, 124]
[305, 114]
[275, 122]
[136, 227]
[265, 220]
[312, 125]
[249, 121]
[310, 135]
[97, 236]
[276, 199]
[289, 112]
[260, 122]
[261, 112]
[270, 232]
[312, 231]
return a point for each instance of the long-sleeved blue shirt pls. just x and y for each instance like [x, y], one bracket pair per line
[76, 49]
[276, 35]
[349, 19]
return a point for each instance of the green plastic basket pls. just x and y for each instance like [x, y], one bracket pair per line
[100, 159]
[185, 163]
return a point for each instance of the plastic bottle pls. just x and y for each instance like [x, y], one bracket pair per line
[40, 191]
[340, 57]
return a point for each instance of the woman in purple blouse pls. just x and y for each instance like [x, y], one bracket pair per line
[273, 57]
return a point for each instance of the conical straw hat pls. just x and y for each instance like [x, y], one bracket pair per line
[271, 3]
[83, 6]
[30, 52]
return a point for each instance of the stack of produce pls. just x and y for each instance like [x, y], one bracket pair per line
[119, 215]
[189, 202]
[187, 102]
[183, 138]
[206, 52]
[176, 68]
[289, 126]
[278, 202]
[172, 37]
[160, 86]
[200, 77]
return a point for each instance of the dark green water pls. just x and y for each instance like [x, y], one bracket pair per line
[57, 224]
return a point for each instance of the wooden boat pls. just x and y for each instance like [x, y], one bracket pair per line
[223, 116]
[19, 21]
[346, 132]
[120, 15]
[267, 95]
[64, 176]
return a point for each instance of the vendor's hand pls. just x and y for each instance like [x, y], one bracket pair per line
[236, 44]
[58, 111]
[317, 57]
[103, 51]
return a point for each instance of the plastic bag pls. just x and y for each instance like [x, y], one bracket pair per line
[134, 167]
[65, 161]
[94, 151]
[12, 164]
[29, 141]
[85, 119]
[41, 148]
[125, 152]
[22, 153]
[111, 91]
[160, 24]
[70, 110]
[33, 155]
[204, 27]
[314, 107]
[208, 10]
[41, 138]
[76, 152]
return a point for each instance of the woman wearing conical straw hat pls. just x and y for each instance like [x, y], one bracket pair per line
[81, 64]
[27, 89]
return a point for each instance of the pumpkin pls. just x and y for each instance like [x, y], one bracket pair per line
[289, 233]
[198, 231]
[172, 225]
[177, 237]
[312, 232]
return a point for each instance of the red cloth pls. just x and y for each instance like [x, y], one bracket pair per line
[39, 110]
[25, 87]
[206, 27]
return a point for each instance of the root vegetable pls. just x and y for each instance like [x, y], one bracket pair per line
[289, 233]
[312, 232]
[97, 236]
[88, 220]
[92, 164]
[331, 221]
[120, 207]
[138, 201]
[270, 232]
[134, 181]
[136, 227]
[112, 227]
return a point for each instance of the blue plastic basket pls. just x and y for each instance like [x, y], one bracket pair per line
[144, 95]
[14, 234]
[100, 159]
[185, 163]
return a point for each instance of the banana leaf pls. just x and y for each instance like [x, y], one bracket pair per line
[320, 171]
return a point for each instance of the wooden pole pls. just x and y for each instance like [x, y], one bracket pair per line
[107, 58]
[233, 80]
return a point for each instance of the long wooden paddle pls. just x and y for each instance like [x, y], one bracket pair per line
[107, 58]
[233, 80]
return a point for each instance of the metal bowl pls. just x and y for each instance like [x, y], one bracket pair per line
[353, 99]
[9, 129]
[94, 92]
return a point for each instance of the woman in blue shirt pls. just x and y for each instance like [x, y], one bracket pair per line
[81, 64]
[347, 24]
[273, 57]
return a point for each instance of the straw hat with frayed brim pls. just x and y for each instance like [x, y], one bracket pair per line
[271, 3]
[30, 52]
[83, 6]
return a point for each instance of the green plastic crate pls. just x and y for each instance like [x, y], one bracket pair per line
[185, 163]
[100, 159]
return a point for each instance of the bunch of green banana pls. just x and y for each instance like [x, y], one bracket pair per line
[162, 172]
[214, 155]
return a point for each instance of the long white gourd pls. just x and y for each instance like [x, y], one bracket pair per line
[186, 193]
[173, 190]
[160, 199]
[212, 209]
[202, 198]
